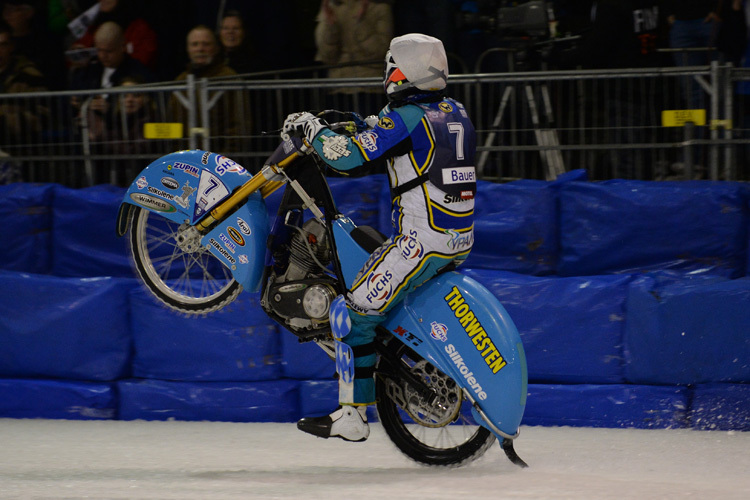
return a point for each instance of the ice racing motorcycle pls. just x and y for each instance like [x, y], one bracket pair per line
[451, 372]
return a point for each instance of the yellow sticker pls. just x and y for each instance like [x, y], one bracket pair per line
[679, 117]
[386, 123]
[162, 130]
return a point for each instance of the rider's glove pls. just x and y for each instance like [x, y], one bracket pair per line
[302, 124]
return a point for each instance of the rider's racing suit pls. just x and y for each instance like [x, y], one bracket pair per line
[429, 144]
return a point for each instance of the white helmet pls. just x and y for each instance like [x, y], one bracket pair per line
[415, 62]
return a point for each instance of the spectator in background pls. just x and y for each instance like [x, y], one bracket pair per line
[26, 19]
[21, 121]
[140, 38]
[351, 31]
[112, 63]
[121, 132]
[353, 34]
[205, 61]
[239, 54]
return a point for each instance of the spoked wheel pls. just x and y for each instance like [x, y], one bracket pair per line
[438, 433]
[176, 268]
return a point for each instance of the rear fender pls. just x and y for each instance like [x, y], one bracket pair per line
[459, 326]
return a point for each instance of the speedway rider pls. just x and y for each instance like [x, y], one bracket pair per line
[429, 143]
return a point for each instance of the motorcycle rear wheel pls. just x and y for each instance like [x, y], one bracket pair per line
[437, 434]
[191, 281]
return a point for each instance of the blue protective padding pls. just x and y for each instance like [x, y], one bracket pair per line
[25, 210]
[238, 343]
[66, 328]
[639, 406]
[626, 226]
[688, 331]
[273, 401]
[318, 397]
[84, 241]
[721, 407]
[304, 361]
[56, 399]
[572, 328]
[515, 228]
[458, 325]
[359, 198]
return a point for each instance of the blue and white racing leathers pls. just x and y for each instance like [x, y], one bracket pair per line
[429, 148]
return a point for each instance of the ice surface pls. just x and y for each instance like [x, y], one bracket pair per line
[54, 459]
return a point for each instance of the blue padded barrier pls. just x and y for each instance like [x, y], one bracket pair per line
[304, 361]
[271, 401]
[318, 397]
[360, 198]
[321, 397]
[65, 328]
[84, 240]
[27, 222]
[515, 228]
[571, 327]
[56, 399]
[581, 405]
[687, 331]
[238, 343]
[627, 226]
[721, 407]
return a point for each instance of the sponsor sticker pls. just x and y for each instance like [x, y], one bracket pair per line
[379, 286]
[410, 246]
[152, 202]
[236, 236]
[445, 107]
[224, 165]
[438, 331]
[334, 147]
[222, 251]
[141, 182]
[474, 329]
[458, 175]
[244, 226]
[368, 140]
[185, 167]
[386, 123]
[169, 183]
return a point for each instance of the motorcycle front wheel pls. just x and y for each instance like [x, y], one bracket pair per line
[441, 432]
[176, 268]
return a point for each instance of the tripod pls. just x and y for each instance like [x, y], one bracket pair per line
[546, 137]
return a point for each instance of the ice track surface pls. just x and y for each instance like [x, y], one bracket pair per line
[54, 459]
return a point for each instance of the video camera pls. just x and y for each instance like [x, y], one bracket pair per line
[528, 28]
[530, 19]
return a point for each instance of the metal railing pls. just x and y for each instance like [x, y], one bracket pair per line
[531, 125]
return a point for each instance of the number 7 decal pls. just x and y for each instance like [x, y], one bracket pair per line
[458, 129]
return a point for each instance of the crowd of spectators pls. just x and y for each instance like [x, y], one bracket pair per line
[93, 44]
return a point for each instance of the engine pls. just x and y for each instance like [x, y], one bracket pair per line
[302, 295]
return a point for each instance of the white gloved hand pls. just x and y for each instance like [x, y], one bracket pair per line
[302, 124]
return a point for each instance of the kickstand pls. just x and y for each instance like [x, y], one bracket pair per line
[510, 452]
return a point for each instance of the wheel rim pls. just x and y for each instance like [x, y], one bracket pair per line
[188, 277]
[439, 433]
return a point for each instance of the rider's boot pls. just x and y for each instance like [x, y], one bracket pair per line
[347, 422]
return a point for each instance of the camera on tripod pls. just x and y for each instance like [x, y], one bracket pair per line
[528, 28]
[530, 19]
